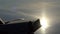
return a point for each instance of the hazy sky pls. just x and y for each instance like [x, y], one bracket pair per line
[10, 9]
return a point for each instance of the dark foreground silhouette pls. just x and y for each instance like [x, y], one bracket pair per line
[28, 27]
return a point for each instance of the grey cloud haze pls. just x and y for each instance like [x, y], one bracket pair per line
[11, 9]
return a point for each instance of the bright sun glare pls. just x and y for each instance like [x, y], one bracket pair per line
[44, 23]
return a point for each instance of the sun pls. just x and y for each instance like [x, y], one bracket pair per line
[43, 22]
